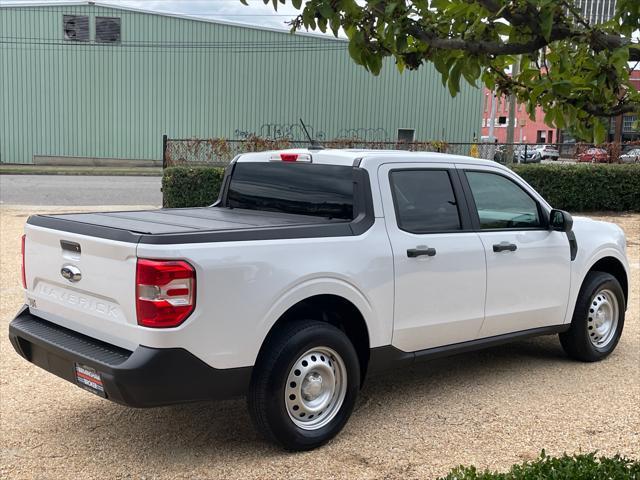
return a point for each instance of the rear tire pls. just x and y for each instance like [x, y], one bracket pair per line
[304, 385]
[598, 319]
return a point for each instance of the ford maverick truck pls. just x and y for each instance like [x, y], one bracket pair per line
[314, 269]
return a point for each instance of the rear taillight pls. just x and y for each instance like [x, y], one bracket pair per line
[165, 292]
[24, 274]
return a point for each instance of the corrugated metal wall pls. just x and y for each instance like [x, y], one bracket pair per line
[191, 78]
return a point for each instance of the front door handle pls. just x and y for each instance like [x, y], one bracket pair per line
[505, 246]
[421, 250]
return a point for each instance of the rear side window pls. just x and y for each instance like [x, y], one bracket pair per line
[288, 187]
[501, 203]
[424, 201]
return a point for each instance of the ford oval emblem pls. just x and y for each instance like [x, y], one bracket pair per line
[71, 273]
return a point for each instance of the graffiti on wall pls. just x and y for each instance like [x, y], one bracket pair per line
[365, 134]
[294, 132]
[281, 131]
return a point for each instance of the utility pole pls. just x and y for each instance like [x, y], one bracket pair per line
[512, 113]
[492, 119]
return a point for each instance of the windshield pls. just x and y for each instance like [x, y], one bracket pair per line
[293, 187]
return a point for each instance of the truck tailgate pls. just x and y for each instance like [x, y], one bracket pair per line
[100, 304]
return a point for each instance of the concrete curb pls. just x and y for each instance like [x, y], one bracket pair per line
[102, 171]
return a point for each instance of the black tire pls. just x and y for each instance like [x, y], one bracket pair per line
[576, 341]
[266, 398]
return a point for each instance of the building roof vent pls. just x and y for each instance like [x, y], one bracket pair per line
[76, 28]
[107, 30]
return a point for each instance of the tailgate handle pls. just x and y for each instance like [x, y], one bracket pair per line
[70, 246]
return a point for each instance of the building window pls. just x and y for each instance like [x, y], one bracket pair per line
[502, 121]
[541, 136]
[627, 123]
[550, 136]
[405, 134]
[76, 28]
[107, 30]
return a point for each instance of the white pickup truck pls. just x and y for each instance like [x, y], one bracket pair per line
[314, 269]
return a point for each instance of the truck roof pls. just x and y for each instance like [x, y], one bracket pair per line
[348, 156]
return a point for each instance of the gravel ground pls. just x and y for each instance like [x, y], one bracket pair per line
[491, 408]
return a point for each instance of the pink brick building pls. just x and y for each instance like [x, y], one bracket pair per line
[536, 131]
[526, 130]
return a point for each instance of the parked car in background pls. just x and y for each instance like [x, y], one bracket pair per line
[594, 155]
[500, 154]
[547, 152]
[632, 156]
[527, 154]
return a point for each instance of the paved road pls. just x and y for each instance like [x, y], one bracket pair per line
[79, 190]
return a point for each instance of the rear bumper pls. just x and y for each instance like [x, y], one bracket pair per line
[146, 377]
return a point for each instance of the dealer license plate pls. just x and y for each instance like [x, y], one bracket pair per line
[89, 379]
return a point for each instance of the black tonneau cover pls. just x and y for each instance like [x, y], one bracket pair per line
[192, 225]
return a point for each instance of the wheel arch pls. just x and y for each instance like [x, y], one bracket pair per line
[613, 266]
[336, 310]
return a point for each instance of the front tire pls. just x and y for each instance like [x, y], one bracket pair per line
[304, 385]
[598, 319]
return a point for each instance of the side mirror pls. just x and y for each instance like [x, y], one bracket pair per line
[560, 221]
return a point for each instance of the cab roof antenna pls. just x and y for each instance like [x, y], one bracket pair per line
[313, 144]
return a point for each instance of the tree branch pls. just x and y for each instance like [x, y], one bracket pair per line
[479, 47]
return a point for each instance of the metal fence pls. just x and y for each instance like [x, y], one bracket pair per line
[220, 151]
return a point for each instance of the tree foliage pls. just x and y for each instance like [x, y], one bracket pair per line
[576, 71]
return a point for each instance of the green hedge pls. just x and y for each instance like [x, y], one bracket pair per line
[191, 186]
[577, 188]
[577, 467]
[582, 188]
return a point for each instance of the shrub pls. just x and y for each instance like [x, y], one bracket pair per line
[582, 188]
[577, 467]
[576, 188]
[191, 186]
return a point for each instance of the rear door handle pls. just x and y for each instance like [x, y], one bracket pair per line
[505, 246]
[421, 250]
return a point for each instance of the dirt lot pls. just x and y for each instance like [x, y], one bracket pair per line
[490, 408]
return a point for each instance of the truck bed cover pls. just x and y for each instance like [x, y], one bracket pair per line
[192, 225]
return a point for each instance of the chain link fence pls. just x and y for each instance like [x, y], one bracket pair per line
[220, 151]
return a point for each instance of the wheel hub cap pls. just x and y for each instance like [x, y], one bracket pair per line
[316, 388]
[312, 386]
[603, 318]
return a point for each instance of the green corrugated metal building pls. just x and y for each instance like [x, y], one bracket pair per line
[94, 81]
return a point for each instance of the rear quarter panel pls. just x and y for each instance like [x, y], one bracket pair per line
[244, 287]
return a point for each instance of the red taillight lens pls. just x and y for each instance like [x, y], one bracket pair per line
[165, 292]
[289, 157]
[24, 274]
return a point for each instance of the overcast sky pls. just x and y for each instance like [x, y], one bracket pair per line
[256, 12]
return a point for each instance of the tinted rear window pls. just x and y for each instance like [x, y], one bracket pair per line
[300, 188]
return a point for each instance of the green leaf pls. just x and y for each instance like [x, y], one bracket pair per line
[562, 87]
[356, 48]
[375, 64]
[454, 78]
[322, 24]
[334, 24]
[296, 3]
[546, 23]
[325, 10]
[599, 131]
